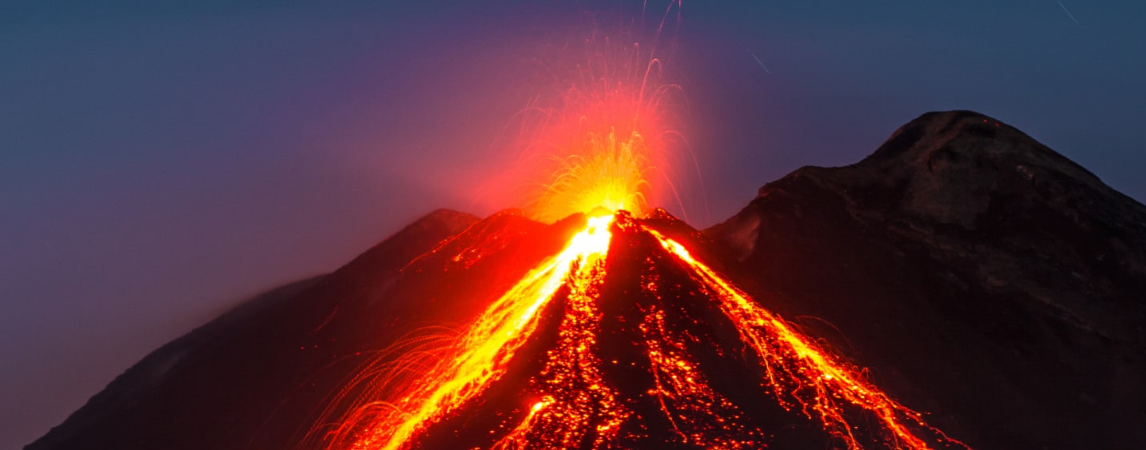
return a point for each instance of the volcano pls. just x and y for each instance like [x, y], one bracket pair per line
[962, 287]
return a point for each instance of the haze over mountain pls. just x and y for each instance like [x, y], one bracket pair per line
[980, 276]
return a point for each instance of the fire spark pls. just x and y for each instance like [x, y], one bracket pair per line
[604, 129]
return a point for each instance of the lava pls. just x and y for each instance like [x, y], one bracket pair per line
[609, 173]
[574, 406]
[820, 383]
[463, 369]
[580, 406]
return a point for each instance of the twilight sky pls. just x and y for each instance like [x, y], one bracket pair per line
[161, 160]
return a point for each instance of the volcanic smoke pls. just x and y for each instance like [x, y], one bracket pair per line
[602, 146]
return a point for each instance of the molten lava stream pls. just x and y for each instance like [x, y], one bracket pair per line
[579, 405]
[481, 354]
[793, 363]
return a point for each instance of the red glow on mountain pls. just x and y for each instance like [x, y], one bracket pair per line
[575, 396]
[570, 357]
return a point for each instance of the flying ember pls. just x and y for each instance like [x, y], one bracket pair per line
[605, 135]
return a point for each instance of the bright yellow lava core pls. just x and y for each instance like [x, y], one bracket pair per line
[609, 172]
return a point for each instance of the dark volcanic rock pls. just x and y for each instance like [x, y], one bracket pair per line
[979, 273]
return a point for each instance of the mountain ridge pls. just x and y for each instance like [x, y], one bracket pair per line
[926, 260]
[960, 218]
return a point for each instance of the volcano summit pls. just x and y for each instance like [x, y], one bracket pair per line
[962, 287]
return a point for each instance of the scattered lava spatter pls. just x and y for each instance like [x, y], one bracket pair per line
[578, 405]
[800, 371]
[683, 394]
[480, 355]
[571, 403]
[604, 133]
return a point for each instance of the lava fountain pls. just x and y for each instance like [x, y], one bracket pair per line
[605, 135]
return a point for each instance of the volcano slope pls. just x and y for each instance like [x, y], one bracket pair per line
[980, 274]
[980, 277]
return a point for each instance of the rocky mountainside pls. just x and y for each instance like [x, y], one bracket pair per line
[985, 276]
[978, 275]
[215, 386]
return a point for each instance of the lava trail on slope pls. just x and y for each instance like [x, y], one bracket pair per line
[625, 340]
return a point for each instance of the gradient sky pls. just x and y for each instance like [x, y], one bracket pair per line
[161, 160]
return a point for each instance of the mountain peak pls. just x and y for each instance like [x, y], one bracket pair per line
[962, 217]
[953, 167]
[967, 136]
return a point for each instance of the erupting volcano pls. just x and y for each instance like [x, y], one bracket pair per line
[622, 338]
[636, 352]
[609, 330]
[589, 319]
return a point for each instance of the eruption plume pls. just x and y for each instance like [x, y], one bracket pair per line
[606, 136]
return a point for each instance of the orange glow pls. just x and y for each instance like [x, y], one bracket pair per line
[463, 369]
[581, 405]
[609, 172]
[516, 439]
[573, 406]
[684, 396]
[602, 134]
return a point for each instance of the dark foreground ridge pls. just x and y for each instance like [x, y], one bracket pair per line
[982, 277]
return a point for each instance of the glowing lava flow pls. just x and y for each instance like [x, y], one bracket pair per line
[482, 353]
[573, 406]
[814, 378]
[579, 405]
